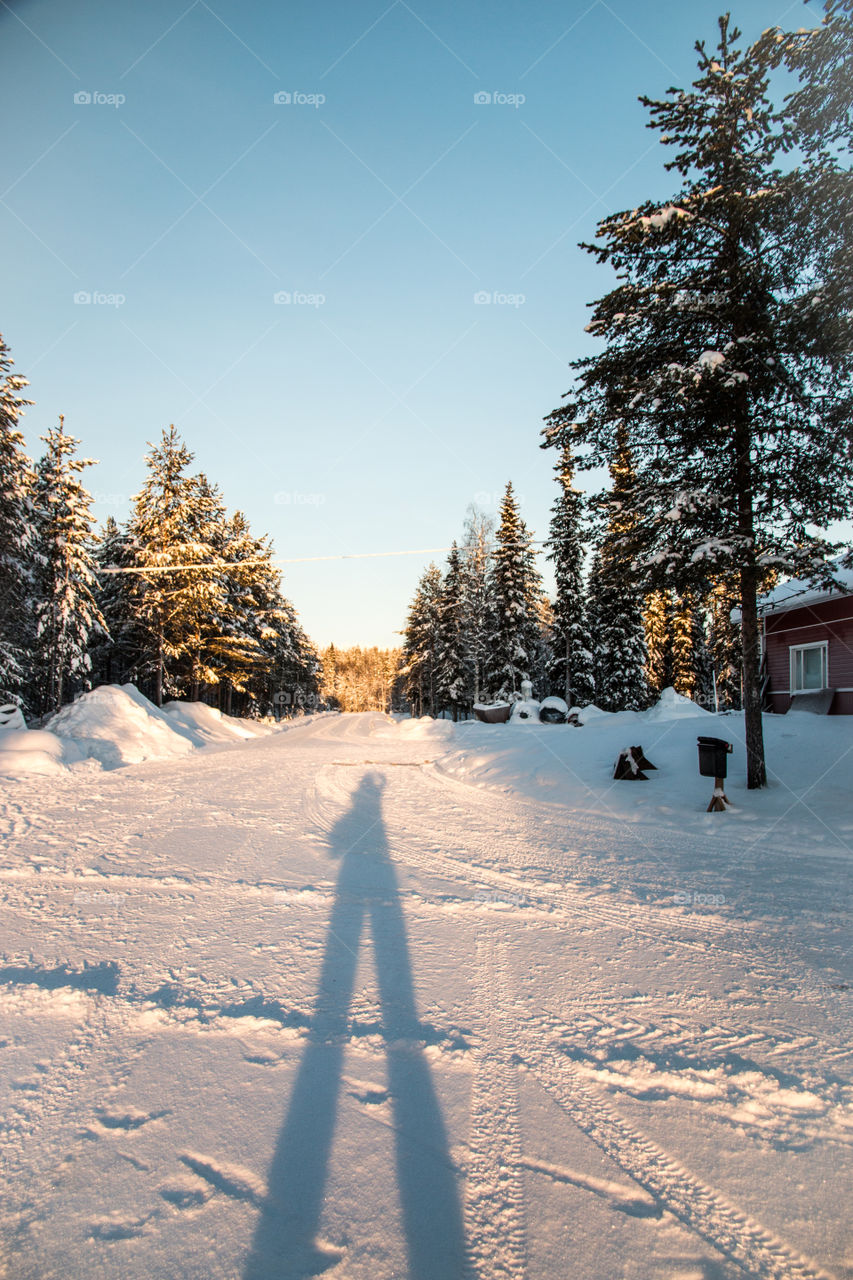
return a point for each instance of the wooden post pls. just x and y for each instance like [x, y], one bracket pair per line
[719, 799]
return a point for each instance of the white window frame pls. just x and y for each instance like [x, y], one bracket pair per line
[796, 650]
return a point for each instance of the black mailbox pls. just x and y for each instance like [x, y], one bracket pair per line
[712, 757]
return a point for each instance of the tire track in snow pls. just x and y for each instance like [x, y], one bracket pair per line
[517, 825]
[495, 1198]
[761, 960]
[759, 1253]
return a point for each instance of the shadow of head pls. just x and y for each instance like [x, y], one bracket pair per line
[361, 828]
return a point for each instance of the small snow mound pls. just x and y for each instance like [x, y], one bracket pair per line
[525, 710]
[37, 751]
[672, 706]
[589, 712]
[117, 725]
[204, 725]
[424, 727]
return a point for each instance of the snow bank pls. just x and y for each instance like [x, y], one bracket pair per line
[116, 725]
[673, 706]
[574, 767]
[26, 751]
[204, 725]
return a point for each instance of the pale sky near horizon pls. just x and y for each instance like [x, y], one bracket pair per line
[335, 244]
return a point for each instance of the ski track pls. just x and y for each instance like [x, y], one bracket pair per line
[766, 964]
[758, 1252]
[494, 1191]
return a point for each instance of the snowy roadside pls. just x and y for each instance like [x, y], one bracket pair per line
[115, 725]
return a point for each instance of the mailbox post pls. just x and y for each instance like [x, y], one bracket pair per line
[713, 763]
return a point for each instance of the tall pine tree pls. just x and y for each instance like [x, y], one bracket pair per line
[420, 647]
[515, 644]
[616, 618]
[16, 514]
[657, 624]
[453, 677]
[66, 612]
[166, 534]
[476, 551]
[572, 668]
[726, 356]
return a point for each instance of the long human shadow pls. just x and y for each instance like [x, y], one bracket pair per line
[285, 1246]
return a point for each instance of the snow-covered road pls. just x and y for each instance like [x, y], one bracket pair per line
[310, 1004]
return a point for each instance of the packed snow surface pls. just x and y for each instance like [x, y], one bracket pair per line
[375, 998]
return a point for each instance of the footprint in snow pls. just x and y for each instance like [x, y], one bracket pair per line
[115, 1227]
[186, 1196]
[370, 1097]
[127, 1120]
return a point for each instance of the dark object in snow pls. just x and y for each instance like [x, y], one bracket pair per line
[494, 712]
[11, 717]
[630, 765]
[818, 703]
[525, 709]
[713, 753]
[713, 763]
[553, 711]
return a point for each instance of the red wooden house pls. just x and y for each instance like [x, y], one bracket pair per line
[808, 643]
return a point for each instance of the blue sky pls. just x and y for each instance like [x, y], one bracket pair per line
[369, 410]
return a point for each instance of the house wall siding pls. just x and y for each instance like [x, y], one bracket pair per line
[830, 621]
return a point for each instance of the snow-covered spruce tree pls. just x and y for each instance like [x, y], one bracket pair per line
[296, 665]
[515, 632]
[657, 624]
[116, 649]
[16, 515]
[167, 598]
[571, 671]
[691, 663]
[232, 641]
[420, 646]
[477, 539]
[819, 115]
[725, 356]
[208, 618]
[616, 602]
[453, 674]
[66, 612]
[724, 645]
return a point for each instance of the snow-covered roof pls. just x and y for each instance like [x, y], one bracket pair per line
[796, 593]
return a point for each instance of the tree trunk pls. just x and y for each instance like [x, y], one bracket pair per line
[568, 673]
[158, 686]
[756, 772]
